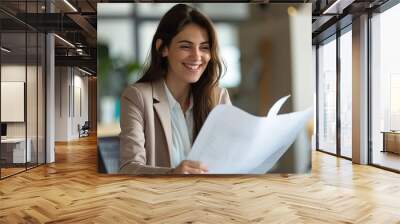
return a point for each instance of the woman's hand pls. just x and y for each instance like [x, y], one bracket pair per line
[190, 167]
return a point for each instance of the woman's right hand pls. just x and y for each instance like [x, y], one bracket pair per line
[190, 167]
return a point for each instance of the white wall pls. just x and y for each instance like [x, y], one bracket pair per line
[79, 117]
[70, 84]
[61, 103]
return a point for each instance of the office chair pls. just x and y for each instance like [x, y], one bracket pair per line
[84, 130]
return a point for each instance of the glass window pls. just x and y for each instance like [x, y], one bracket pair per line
[117, 34]
[113, 9]
[230, 53]
[22, 94]
[218, 10]
[327, 96]
[394, 101]
[154, 9]
[146, 33]
[346, 94]
[386, 88]
[14, 153]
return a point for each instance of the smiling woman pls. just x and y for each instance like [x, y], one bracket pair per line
[164, 111]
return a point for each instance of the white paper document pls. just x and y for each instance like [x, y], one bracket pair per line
[233, 141]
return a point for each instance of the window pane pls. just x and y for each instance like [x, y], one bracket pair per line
[230, 53]
[117, 34]
[154, 9]
[394, 101]
[13, 83]
[113, 9]
[327, 97]
[386, 89]
[146, 33]
[346, 94]
[218, 10]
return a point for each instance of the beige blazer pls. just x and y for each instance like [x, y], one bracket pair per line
[146, 136]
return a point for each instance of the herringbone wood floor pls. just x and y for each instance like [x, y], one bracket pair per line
[71, 191]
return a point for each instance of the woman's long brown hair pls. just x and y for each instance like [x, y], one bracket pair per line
[204, 91]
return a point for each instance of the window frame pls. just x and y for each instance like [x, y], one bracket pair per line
[333, 37]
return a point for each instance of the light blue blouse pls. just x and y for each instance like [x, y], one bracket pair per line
[182, 129]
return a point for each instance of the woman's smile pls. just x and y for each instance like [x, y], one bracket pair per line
[194, 67]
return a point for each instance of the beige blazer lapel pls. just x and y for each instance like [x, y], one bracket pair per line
[161, 107]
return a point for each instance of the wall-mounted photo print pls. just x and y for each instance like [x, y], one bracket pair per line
[204, 88]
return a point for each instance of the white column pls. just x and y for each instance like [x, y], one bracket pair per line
[50, 100]
[302, 79]
[50, 92]
[360, 90]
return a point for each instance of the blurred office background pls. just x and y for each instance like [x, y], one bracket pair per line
[266, 48]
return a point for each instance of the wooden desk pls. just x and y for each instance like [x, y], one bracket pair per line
[391, 141]
[13, 150]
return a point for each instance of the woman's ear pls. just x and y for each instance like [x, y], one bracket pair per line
[164, 51]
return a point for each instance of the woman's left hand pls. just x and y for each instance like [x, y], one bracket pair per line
[190, 167]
